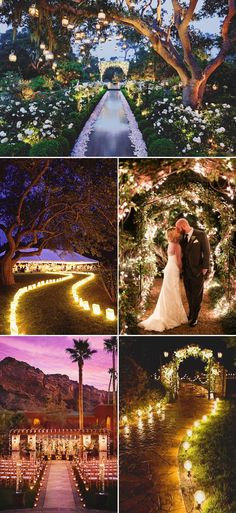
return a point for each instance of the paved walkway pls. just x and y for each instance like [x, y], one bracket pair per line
[59, 492]
[149, 470]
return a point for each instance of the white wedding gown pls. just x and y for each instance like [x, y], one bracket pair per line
[169, 312]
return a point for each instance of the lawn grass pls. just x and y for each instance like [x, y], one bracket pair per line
[7, 294]
[52, 310]
[213, 455]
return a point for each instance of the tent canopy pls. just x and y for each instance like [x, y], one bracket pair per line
[58, 257]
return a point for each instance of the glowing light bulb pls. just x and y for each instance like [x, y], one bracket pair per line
[189, 432]
[110, 314]
[186, 445]
[199, 497]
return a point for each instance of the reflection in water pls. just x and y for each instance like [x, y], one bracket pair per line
[110, 136]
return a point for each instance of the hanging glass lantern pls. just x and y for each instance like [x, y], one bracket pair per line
[12, 56]
[49, 56]
[65, 21]
[33, 11]
[42, 46]
[101, 15]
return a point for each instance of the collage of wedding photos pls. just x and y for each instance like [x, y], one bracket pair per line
[117, 256]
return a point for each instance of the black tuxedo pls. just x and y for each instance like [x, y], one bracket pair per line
[196, 256]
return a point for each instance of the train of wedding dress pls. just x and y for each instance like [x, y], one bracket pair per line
[169, 311]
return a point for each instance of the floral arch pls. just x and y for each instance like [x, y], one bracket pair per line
[216, 374]
[104, 65]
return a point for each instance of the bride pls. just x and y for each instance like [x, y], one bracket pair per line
[169, 311]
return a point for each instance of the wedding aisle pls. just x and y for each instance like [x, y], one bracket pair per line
[111, 130]
[207, 322]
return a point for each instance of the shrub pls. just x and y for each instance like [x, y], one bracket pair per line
[147, 132]
[70, 134]
[46, 148]
[229, 323]
[14, 150]
[143, 123]
[64, 145]
[163, 147]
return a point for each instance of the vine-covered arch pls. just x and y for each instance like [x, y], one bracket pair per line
[104, 65]
[216, 375]
[154, 193]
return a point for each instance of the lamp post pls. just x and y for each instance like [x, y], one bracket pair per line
[188, 467]
[199, 497]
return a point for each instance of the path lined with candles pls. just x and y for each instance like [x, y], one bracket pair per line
[149, 447]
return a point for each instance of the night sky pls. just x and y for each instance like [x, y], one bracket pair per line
[148, 351]
[48, 354]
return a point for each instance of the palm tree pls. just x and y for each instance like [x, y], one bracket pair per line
[110, 345]
[110, 372]
[80, 352]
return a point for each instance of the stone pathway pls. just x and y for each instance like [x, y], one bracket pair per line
[207, 322]
[149, 471]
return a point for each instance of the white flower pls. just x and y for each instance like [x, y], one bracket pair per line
[20, 137]
[28, 131]
[18, 124]
[220, 130]
[197, 140]
[70, 125]
[3, 134]
[4, 140]
[23, 110]
[222, 145]
[188, 147]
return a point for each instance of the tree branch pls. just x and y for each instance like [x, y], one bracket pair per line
[34, 182]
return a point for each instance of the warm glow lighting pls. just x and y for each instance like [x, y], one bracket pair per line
[188, 466]
[33, 11]
[219, 355]
[110, 314]
[96, 309]
[139, 413]
[101, 15]
[186, 445]
[86, 305]
[205, 418]
[14, 304]
[125, 419]
[166, 354]
[78, 284]
[65, 21]
[189, 432]
[196, 423]
[42, 46]
[12, 57]
[199, 497]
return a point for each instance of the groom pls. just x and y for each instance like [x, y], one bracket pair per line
[196, 263]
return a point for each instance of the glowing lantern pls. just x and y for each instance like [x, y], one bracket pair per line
[33, 11]
[110, 314]
[49, 56]
[186, 445]
[139, 413]
[196, 423]
[54, 65]
[101, 15]
[205, 418]
[98, 26]
[70, 26]
[188, 467]
[96, 309]
[219, 355]
[189, 432]
[125, 419]
[42, 46]
[81, 301]
[199, 497]
[65, 21]
[12, 57]
[86, 305]
[166, 354]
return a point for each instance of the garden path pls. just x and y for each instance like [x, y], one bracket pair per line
[60, 492]
[208, 324]
[149, 472]
[110, 131]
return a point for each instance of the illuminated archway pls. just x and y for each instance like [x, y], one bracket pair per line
[104, 65]
[216, 375]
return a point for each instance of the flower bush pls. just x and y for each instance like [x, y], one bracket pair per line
[40, 123]
[179, 130]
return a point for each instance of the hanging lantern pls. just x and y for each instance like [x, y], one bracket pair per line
[12, 56]
[42, 46]
[65, 21]
[33, 11]
[101, 15]
[49, 56]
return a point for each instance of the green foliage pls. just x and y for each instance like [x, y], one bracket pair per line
[216, 292]
[229, 322]
[14, 149]
[42, 83]
[46, 148]
[162, 147]
[70, 134]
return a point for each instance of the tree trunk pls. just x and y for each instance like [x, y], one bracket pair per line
[193, 93]
[6, 272]
[80, 398]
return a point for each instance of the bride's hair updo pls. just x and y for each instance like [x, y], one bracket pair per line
[172, 235]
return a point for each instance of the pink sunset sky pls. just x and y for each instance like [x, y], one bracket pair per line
[48, 354]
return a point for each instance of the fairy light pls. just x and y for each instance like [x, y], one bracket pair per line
[24, 290]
